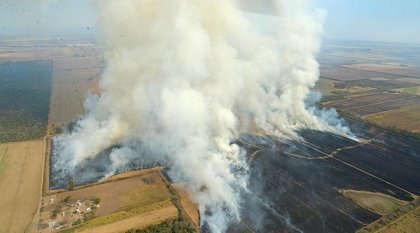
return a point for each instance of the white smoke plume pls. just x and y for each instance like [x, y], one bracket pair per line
[184, 78]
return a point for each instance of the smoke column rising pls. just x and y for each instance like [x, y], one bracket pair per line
[184, 78]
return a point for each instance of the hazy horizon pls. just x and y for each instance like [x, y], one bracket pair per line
[346, 20]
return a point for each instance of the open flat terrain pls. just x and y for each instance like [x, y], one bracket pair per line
[407, 118]
[47, 48]
[20, 183]
[405, 219]
[139, 221]
[32, 71]
[346, 74]
[73, 79]
[413, 90]
[373, 102]
[375, 82]
[389, 68]
[297, 184]
[325, 86]
[376, 202]
[25, 89]
[75, 64]
[409, 223]
[322, 183]
[121, 199]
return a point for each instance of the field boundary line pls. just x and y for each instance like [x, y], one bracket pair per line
[3, 157]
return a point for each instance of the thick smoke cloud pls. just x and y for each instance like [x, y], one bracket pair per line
[184, 78]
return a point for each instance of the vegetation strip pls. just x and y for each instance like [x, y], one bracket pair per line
[392, 218]
[120, 215]
[3, 158]
[178, 225]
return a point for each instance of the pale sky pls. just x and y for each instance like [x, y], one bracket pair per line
[46, 17]
[371, 20]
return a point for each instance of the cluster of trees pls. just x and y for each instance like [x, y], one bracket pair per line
[179, 225]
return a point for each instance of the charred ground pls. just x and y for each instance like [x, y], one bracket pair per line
[296, 184]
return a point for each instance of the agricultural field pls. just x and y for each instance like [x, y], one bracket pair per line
[410, 90]
[178, 225]
[390, 68]
[29, 53]
[377, 202]
[376, 83]
[47, 81]
[357, 52]
[409, 223]
[134, 201]
[347, 74]
[139, 221]
[407, 118]
[373, 102]
[47, 48]
[379, 84]
[75, 66]
[326, 182]
[20, 184]
[325, 86]
[410, 80]
[405, 219]
[25, 90]
[73, 79]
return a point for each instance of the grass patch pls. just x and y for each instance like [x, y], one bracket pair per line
[405, 219]
[145, 195]
[56, 129]
[405, 118]
[376, 202]
[3, 160]
[383, 126]
[410, 90]
[375, 84]
[325, 86]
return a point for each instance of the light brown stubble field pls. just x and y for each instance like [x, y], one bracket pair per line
[390, 68]
[122, 198]
[137, 222]
[20, 183]
[73, 78]
[407, 118]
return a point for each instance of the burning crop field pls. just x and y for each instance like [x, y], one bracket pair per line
[305, 184]
[222, 98]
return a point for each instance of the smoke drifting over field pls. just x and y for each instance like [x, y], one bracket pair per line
[184, 79]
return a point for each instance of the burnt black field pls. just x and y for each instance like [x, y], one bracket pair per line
[294, 194]
[294, 184]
